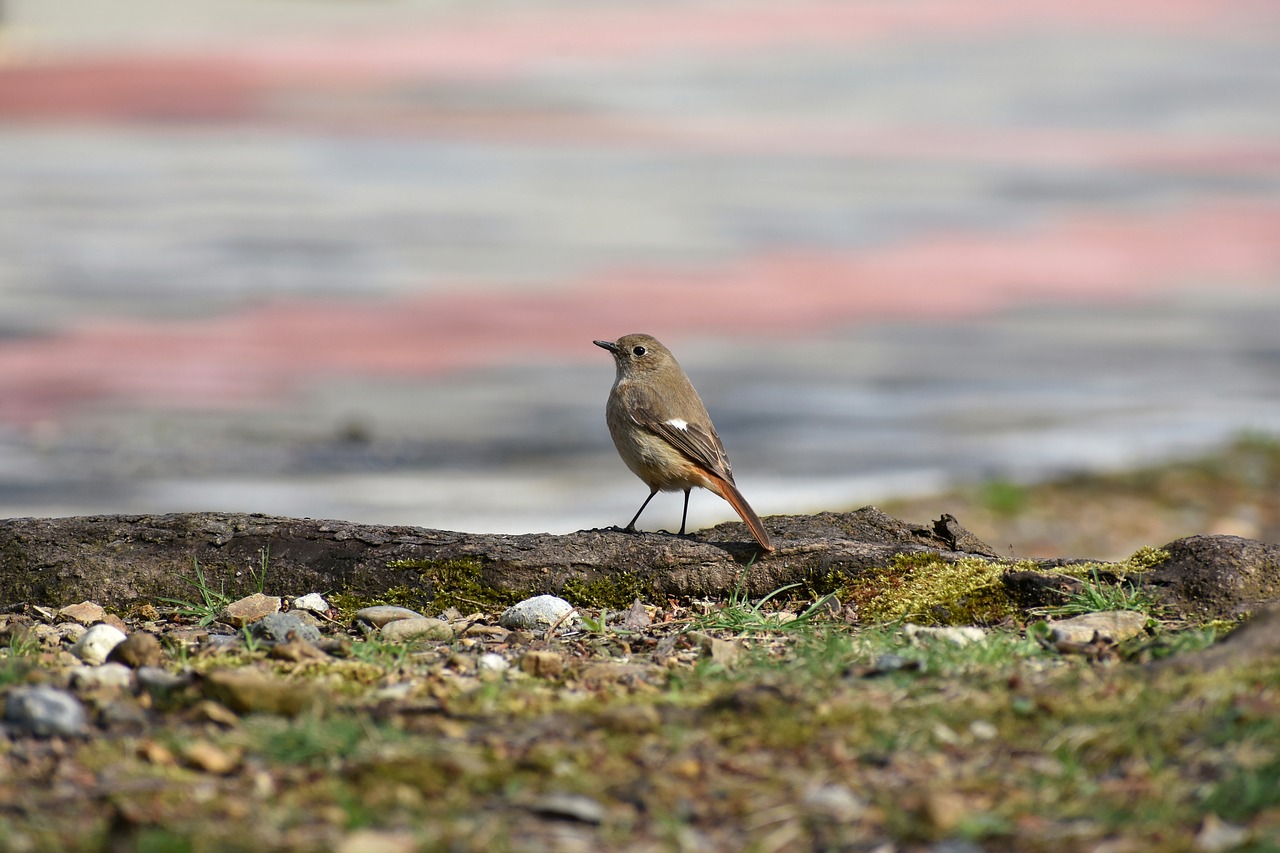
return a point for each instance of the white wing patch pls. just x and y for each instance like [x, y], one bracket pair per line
[678, 423]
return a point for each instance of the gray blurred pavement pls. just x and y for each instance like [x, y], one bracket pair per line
[296, 258]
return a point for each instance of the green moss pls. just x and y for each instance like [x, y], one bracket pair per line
[925, 588]
[922, 587]
[457, 583]
[1145, 559]
[616, 591]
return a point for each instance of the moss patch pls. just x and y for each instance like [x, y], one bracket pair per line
[457, 583]
[927, 589]
[615, 592]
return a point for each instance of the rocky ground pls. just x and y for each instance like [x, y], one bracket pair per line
[1136, 706]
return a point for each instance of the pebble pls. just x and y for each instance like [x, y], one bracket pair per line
[542, 664]
[86, 612]
[960, 636]
[1113, 625]
[161, 683]
[209, 758]
[246, 691]
[577, 807]
[276, 627]
[380, 614]
[249, 609]
[139, 649]
[113, 675]
[44, 711]
[69, 632]
[312, 602]
[836, 802]
[538, 613]
[97, 643]
[378, 841]
[416, 628]
[492, 662]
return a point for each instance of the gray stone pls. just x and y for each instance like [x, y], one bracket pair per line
[97, 642]
[44, 712]
[569, 807]
[417, 628]
[1114, 625]
[159, 682]
[275, 628]
[834, 801]
[312, 602]
[537, 613]
[112, 675]
[381, 614]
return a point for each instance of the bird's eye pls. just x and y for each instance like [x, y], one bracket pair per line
[638, 350]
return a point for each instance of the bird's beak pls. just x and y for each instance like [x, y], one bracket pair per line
[609, 345]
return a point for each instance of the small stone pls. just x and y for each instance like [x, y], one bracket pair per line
[983, 730]
[160, 683]
[86, 612]
[960, 636]
[297, 651]
[835, 802]
[487, 632]
[156, 753]
[723, 652]
[44, 711]
[97, 643]
[68, 632]
[542, 664]
[577, 807]
[492, 662]
[276, 628]
[209, 758]
[245, 691]
[1114, 625]
[377, 841]
[110, 675]
[379, 615]
[416, 628]
[630, 719]
[138, 649]
[537, 613]
[943, 811]
[636, 618]
[147, 612]
[312, 602]
[218, 643]
[1218, 836]
[251, 608]
[208, 711]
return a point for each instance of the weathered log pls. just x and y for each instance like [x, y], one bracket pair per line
[118, 559]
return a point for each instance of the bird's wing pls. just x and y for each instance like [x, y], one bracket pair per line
[698, 441]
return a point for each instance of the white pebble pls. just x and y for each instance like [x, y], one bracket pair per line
[96, 643]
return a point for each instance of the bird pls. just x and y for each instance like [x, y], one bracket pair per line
[663, 432]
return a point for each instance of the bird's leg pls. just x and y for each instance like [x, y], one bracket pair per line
[684, 515]
[631, 525]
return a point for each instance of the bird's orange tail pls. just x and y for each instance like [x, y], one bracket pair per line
[730, 493]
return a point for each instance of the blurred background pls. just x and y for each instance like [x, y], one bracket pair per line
[345, 258]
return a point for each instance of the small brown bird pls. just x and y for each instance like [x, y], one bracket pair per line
[663, 432]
